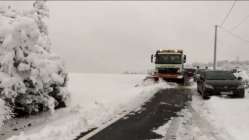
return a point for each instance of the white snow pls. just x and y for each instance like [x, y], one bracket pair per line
[163, 129]
[5, 112]
[228, 115]
[242, 74]
[220, 117]
[96, 99]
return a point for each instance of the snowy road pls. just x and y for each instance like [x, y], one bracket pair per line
[151, 108]
[156, 112]
[180, 114]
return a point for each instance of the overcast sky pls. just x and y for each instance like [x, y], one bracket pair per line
[119, 36]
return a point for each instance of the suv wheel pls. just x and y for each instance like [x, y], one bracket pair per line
[239, 94]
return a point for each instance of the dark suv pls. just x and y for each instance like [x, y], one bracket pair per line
[220, 82]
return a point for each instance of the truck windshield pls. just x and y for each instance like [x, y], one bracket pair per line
[168, 59]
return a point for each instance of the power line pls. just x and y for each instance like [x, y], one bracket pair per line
[243, 20]
[235, 35]
[229, 12]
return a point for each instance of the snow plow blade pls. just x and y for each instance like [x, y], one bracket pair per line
[152, 78]
[167, 78]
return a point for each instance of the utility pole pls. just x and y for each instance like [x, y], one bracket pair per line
[215, 46]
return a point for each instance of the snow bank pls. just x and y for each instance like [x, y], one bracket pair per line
[108, 95]
[243, 75]
[229, 116]
[96, 100]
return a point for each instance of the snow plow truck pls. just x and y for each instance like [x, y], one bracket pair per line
[169, 65]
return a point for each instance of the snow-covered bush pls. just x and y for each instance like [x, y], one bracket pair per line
[5, 112]
[244, 76]
[32, 78]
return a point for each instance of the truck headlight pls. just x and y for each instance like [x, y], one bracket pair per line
[178, 71]
[209, 86]
[179, 76]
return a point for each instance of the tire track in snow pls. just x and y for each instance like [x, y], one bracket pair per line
[207, 128]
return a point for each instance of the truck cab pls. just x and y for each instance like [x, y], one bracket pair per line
[169, 64]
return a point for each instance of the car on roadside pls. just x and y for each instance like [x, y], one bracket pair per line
[220, 82]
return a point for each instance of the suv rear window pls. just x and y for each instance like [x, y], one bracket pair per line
[219, 75]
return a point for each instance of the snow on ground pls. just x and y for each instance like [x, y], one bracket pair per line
[96, 99]
[219, 118]
[227, 115]
[162, 129]
[179, 128]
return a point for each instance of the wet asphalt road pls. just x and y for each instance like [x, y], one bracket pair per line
[156, 112]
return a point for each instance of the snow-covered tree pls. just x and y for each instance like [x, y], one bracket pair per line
[32, 78]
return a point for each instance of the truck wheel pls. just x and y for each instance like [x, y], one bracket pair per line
[182, 81]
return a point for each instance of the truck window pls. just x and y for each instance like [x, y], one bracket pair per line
[169, 59]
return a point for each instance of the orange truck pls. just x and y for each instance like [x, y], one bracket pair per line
[169, 65]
